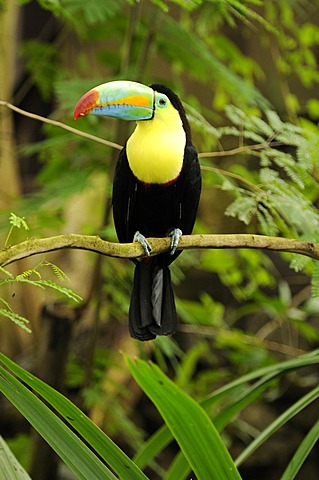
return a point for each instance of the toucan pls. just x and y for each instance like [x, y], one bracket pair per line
[156, 190]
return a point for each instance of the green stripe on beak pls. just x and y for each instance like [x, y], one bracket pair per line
[121, 99]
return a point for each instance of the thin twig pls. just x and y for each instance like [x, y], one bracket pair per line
[214, 332]
[60, 125]
[233, 175]
[94, 138]
[241, 149]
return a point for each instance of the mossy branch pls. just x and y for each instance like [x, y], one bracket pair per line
[35, 246]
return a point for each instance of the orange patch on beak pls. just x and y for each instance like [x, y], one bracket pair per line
[134, 100]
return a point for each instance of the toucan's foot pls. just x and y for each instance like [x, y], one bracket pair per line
[139, 237]
[176, 234]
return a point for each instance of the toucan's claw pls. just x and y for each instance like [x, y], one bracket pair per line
[176, 234]
[139, 237]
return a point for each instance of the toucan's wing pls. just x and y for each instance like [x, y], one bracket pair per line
[124, 192]
[189, 188]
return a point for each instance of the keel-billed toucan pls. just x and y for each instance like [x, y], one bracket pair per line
[156, 190]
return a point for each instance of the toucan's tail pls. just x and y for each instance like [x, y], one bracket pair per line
[152, 310]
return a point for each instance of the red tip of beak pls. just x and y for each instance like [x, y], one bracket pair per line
[86, 103]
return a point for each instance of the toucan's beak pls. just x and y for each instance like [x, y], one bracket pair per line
[121, 99]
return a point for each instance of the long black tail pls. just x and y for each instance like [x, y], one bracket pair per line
[152, 310]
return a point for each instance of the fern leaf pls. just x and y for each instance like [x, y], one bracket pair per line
[57, 271]
[5, 303]
[63, 290]
[199, 121]
[17, 319]
[295, 177]
[18, 222]
[253, 136]
[259, 125]
[48, 283]
[266, 220]
[35, 283]
[267, 175]
[243, 208]
[299, 262]
[230, 131]
[27, 274]
[274, 121]
[235, 115]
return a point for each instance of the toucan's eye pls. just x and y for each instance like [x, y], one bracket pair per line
[162, 101]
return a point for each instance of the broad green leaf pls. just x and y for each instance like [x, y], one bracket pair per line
[188, 422]
[302, 452]
[67, 445]
[101, 443]
[10, 468]
[245, 396]
[160, 439]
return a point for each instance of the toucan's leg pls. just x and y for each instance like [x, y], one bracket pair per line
[176, 234]
[139, 237]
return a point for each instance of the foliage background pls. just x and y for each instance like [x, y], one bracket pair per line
[248, 74]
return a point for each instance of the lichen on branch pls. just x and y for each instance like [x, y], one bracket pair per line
[35, 246]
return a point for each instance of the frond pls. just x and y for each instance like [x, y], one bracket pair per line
[18, 222]
[244, 208]
[299, 262]
[17, 319]
[27, 274]
[63, 290]
[62, 276]
[266, 220]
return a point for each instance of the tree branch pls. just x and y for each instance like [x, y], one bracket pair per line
[95, 244]
[159, 245]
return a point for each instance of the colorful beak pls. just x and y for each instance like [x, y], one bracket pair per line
[120, 99]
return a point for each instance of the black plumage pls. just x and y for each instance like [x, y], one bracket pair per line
[154, 210]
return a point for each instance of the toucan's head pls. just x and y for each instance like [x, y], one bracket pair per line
[131, 101]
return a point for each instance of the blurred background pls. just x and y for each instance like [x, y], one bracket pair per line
[247, 73]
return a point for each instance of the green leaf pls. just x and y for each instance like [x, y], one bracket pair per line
[18, 222]
[190, 425]
[153, 446]
[302, 452]
[200, 61]
[179, 468]
[10, 468]
[48, 283]
[240, 399]
[101, 443]
[65, 291]
[15, 317]
[67, 445]
[279, 422]
[161, 438]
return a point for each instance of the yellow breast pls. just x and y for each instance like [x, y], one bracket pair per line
[155, 150]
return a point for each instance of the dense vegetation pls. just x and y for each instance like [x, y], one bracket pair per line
[242, 372]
